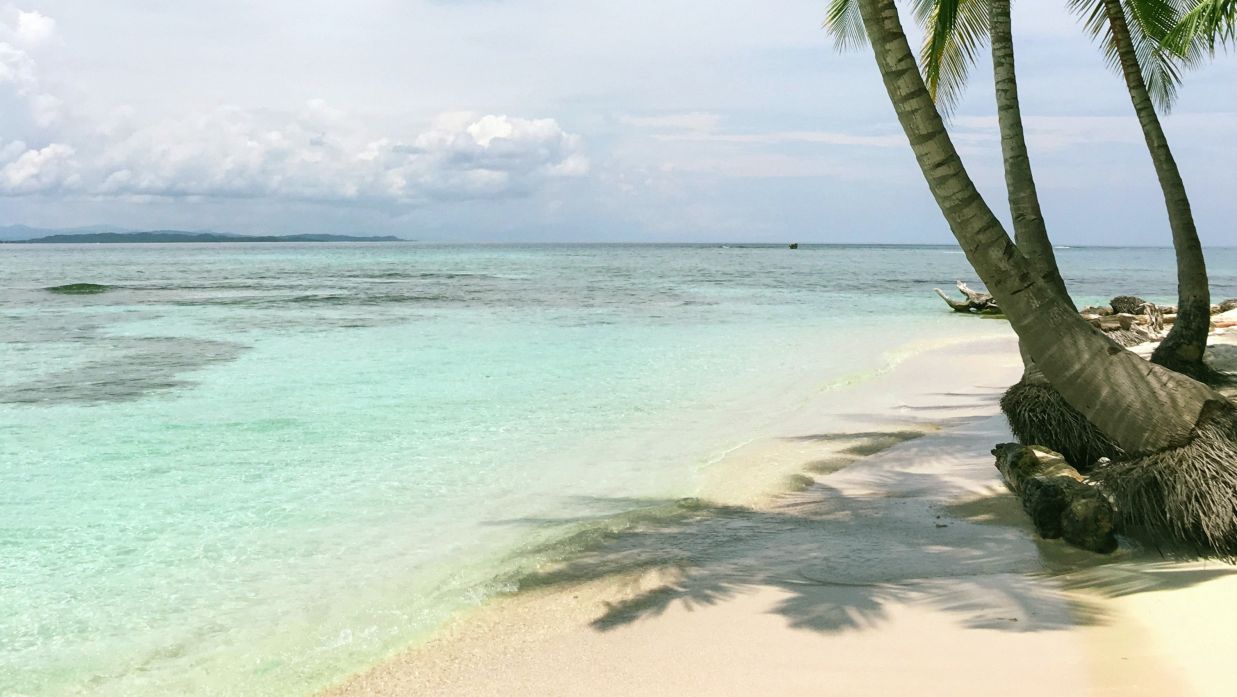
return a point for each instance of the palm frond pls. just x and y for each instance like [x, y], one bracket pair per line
[1208, 24]
[1149, 23]
[955, 31]
[845, 24]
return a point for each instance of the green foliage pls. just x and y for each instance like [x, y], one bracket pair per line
[1169, 37]
[1149, 23]
[844, 22]
[955, 32]
[1208, 23]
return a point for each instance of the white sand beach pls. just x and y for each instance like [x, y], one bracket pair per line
[906, 571]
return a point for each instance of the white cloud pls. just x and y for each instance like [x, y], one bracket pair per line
[30, 170]
[20, 31]
[16, 68]
[1062, 133]
[33, 28]
[319, 154]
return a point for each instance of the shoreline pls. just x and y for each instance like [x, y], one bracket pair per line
[892, 533]
[756, 471]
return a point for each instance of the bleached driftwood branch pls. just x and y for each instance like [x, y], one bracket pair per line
[976, 302]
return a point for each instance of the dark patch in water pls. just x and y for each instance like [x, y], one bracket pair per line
[150, 365]
[321, 299]
[365, 298]
[79, 289]
[47, 327]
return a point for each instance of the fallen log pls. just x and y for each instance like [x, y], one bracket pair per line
[1059, 500]
[1111, 323]
[976, 302]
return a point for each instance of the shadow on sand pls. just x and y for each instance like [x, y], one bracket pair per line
[850, 546]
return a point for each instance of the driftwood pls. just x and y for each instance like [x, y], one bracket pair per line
[1128, 319]
[1126, 304]
[976, 302]
[1059, 500]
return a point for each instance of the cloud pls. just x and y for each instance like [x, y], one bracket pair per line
[16, 68]
[703, 127]
[318, 154]
[696, 121]
[891, 140]
[32, 28]
[20, 31]
[29, 170]
[1064, 133]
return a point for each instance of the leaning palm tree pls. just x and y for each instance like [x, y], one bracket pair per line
[1178, 482]
[1134, 34]
[1036, 412]
[953, 31]
[1182, 350]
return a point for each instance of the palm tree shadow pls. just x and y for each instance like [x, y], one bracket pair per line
[1222, 358]
[840, 561]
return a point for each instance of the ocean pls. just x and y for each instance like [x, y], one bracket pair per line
[250, 469]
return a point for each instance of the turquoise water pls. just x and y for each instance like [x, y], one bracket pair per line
[250, 469]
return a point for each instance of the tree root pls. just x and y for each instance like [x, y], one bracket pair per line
[1038, 415]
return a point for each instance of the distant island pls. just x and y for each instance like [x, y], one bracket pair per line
[163, 236]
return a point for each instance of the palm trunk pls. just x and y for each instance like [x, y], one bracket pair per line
[1142, 407]
[1030, 232]
[1183, 348]
[1035, 411]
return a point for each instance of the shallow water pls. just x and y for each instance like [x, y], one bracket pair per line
[250, 468]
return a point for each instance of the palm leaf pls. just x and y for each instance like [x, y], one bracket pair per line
[955, 31]
[1150, 23]
[1208, 23]
[846, 24]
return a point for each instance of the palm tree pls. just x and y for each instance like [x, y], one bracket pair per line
[1182, 350]
[1179, 483]
[1036, 412]
[1134, 34]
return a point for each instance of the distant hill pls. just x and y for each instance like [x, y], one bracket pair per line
[25, 232]
[165, 236]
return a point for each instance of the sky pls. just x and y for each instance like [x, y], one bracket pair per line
[554, 120]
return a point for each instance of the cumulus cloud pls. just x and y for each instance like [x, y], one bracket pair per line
[21, 31]
[318, 154]
[25, 28]
[37, 170]
[16, 68]
[31, 28]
